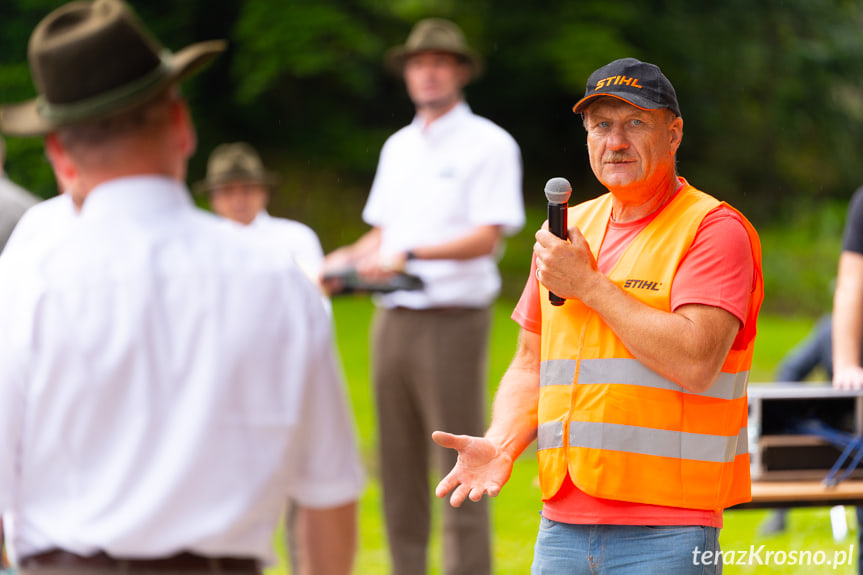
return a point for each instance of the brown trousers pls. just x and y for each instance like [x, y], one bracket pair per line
[429, 370]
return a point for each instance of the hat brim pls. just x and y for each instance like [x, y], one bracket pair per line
[394, 58]
[641, 103]
[30, 119]
[270, 179]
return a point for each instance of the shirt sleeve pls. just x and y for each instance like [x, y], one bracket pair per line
[326, 467]
[309, 252]
[718, 270]
[12, 383]
[11, 407]
[496, 188]
[528, 311]
[852, 239]
[374, 212]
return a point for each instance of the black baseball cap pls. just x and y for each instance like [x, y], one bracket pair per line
[641, 84]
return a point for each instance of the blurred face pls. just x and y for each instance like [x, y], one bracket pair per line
[239, 201]
[434, 80]
[632, 151]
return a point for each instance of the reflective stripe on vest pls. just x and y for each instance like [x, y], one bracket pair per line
[644, 440]
[629, 371]
[549, 435]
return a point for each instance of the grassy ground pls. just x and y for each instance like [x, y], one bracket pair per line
[516, 511]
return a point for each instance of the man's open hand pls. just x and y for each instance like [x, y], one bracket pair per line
[482, 468]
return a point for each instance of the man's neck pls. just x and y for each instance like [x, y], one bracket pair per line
[628, 208]
[429, 114]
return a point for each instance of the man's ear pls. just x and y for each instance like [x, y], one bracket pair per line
[185, 128]
[675, 127]
[65, 170]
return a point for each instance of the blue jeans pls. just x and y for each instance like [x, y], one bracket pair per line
[564, 549]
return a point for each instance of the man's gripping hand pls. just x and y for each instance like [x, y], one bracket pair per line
[482, 468]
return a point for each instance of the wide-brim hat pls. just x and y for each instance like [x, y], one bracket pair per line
[434, 35]
[638, 83]
[235, 162]
[91, 60]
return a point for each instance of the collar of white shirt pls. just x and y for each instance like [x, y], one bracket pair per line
[135, 196]
[445, 123]
[262, 219]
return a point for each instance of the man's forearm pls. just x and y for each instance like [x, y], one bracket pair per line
[848, 312]
[327, 538]
[478, 242]
[369, 243]
[348, 256]
[514, 415]
[687, 346]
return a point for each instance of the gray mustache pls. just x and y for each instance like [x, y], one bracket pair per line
[615, 157]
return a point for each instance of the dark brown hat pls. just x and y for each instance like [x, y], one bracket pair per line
[91, 60]
[434, 35]
[235, 162]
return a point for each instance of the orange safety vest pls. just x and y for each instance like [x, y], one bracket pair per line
[621, 430]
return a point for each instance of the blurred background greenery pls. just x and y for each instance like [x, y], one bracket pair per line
[770, 91]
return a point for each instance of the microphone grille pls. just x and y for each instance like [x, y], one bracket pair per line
[558, 190]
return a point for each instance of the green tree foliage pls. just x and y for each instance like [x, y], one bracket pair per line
[25, 158]
[771, 92]
[770, 89]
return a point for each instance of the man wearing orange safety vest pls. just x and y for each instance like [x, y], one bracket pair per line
[635, 387]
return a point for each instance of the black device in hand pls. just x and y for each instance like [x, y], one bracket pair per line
[348, 281]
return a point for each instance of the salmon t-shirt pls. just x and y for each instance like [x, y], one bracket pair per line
[717, 271]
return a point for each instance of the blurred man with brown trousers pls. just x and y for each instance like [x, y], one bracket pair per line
[446, 194]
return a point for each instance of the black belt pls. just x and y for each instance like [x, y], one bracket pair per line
[180, 562]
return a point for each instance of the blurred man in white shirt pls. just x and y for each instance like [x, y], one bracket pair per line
[165, 384]
[239, 188]
[446, 194]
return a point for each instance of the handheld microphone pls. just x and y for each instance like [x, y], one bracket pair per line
[557, 190]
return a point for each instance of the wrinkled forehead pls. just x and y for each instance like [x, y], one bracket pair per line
[613, 104]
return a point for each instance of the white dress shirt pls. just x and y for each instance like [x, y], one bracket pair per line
[293, 238]
[42, 224]
[165, 385]
[438, 183]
